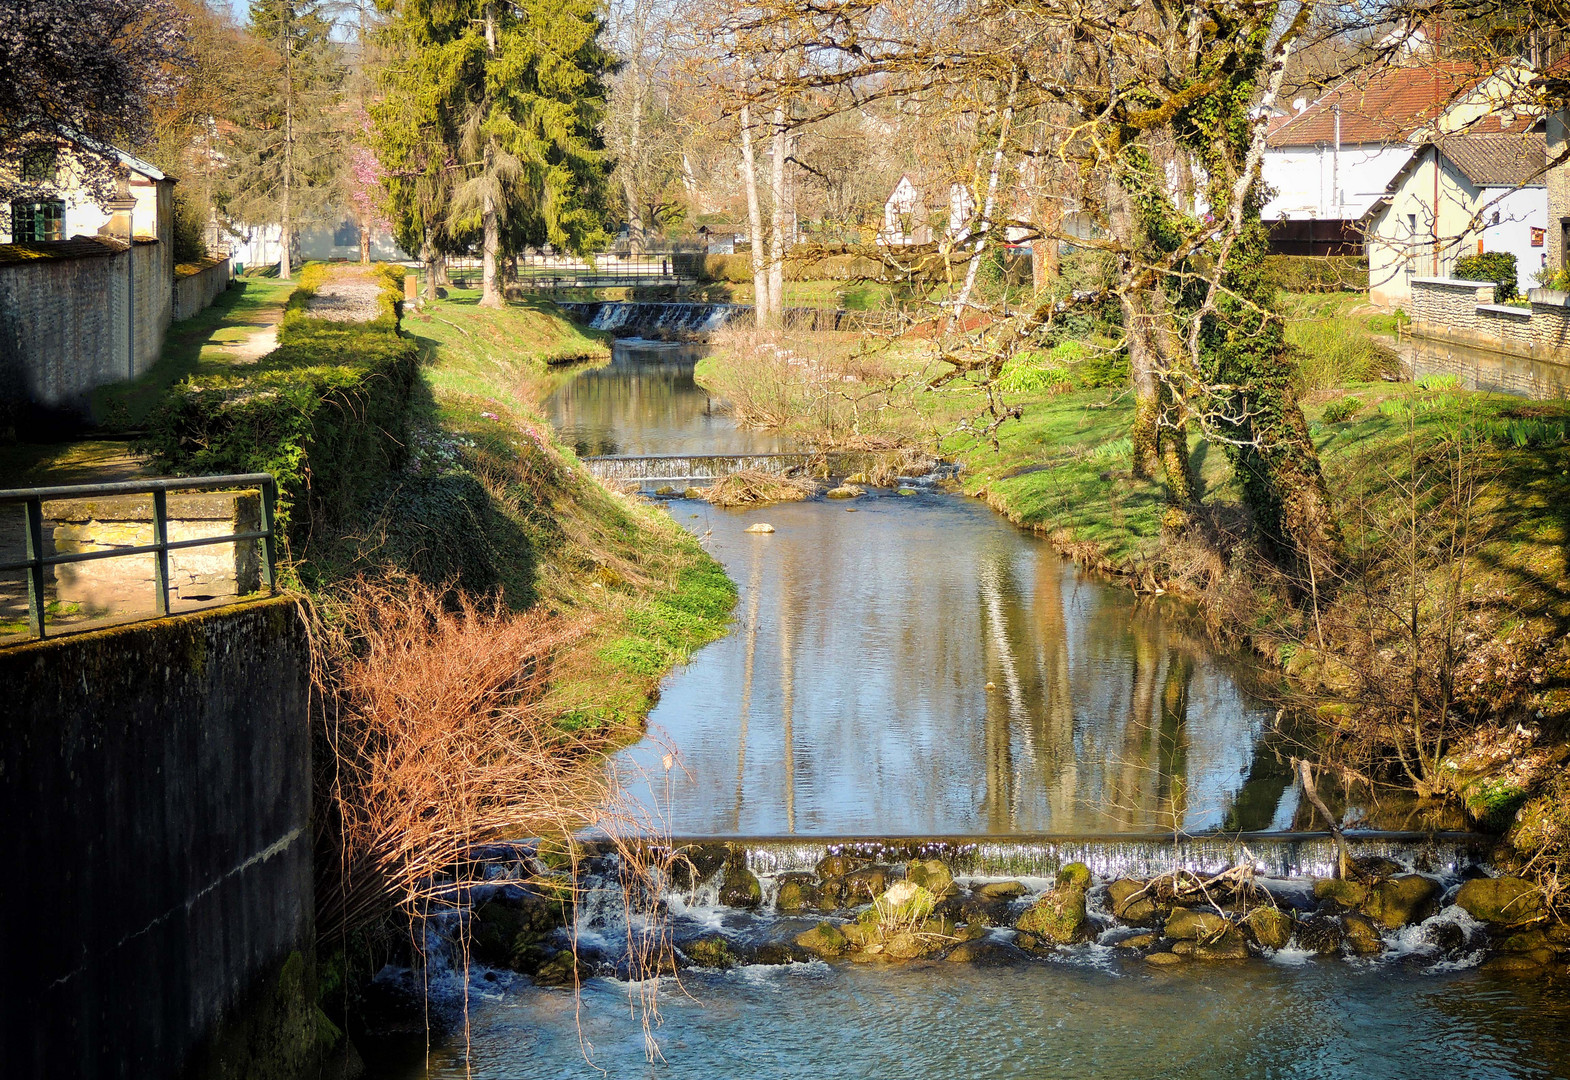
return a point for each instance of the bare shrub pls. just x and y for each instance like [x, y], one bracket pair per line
[438, 743]
[750, 487]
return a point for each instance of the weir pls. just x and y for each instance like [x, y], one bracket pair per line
[669, 468]
[695, 320]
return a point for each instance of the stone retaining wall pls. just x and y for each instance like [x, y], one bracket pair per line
[1530, 349]
[196, 292]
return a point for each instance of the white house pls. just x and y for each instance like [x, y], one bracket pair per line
[1459, 195]
[1331, 161]
[905, 216]
[73, 211]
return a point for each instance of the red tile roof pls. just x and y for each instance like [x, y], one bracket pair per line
[1385, 104]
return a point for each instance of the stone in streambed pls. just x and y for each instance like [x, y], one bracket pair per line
[1163, 959]
[1191, 924]
[1320, 935]
[1361, 935]
[740, 888]
[1076, 875]
[825, 940]
[1136, 910]
[694, 865]
[1270, 927]
[1340, 894]
[837, 866]
[1137, 941]
[932, 875]
[1401, 901]
[711, 952]
[1227, 945]
[985, 953]
[797, 892]
[1058, 917]
[864, 884]
[979, 911]
[760, 527]
[1001, 890]
[1503, 901]
[844, 491]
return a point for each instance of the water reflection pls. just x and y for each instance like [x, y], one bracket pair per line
[920, 666]
[645, 402]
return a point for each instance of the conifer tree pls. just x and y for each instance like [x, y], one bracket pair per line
[514, 93]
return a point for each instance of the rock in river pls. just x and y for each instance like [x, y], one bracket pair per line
[1400, 901]
[932, 875]
[1058, 916]
[1270, 927]
[1361, 935]
[825, 940]
[760, 527]
[1192, 924]
[740, 888]
[1503, 901]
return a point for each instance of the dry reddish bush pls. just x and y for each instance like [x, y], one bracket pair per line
[438, 742]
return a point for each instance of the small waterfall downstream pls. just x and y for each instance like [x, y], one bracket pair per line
[679, 319]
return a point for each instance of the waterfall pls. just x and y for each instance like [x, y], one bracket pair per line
[683, 319]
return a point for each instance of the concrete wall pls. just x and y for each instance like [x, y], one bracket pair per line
[195, 292]
[156, 796]
[1457, 329]
[64, 323]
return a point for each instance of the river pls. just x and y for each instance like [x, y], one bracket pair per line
[912, 665]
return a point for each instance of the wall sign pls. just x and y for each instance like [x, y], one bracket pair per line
[1537, 236]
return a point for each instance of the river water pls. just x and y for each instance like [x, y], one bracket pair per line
[913, 665]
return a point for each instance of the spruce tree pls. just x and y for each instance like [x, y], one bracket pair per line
[514, 93]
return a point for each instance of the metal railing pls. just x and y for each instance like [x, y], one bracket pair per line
[32, 500]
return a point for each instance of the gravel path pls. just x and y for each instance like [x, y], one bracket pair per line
[347, 300]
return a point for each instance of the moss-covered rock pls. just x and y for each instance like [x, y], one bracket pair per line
[740, 888]
[507, 932]
[1193, 924]
[863, 885]
[711, 952]
[1132, 904]
[1076, 875]
[1342, 893]
[692, 865]
[1001, 890]
[985, 953]
[1163, 959]
[1361, 935]
[837, 866]
[825, 940]
[1270, 927]
[903, 903]
[1320, 934]
[1137, 941]
[1503, 901]
[932, 875]
[563, 969]
[979, 911]
[797, 893]
[1401, 901]
[1227, 945]
[1057, 917]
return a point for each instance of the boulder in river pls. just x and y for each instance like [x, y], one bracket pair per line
[760, 527]
[1320, 934]
[837, 866]
[1075, 875]
[711, 952]
[1137, 941]
[844, 491]
[1058, 917]
[693, 865]
[1401, 901]
[1001, 890]
[1227, 944]
[985, 953]
[798, 892]
[868, 882]
[1131, 903]
[1340, 894]
[507, 931]
[1270, 927]
[1503, 901]
[740, 888]
[932, 875]
[1163, 959]
[825, 940]
[977, 910]
[1361, 935]
[1193, 924]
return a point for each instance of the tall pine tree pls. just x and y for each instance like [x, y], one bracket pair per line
[513, 93]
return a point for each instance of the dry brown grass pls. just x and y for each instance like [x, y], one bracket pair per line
[438, 742]
[749, 487]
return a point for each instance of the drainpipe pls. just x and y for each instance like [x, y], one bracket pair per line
[1335, 166]
[130, 290]
[1435, 264]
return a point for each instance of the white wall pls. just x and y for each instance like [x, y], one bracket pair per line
[258, 245]
[1520, 210]
[1305, 180]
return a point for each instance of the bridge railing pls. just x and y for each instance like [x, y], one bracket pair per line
[40, 558]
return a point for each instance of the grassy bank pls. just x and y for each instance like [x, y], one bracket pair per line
[1435, 653]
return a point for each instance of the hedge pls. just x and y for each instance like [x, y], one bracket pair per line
[1318, 273]
[1496, 266]
[325, 412]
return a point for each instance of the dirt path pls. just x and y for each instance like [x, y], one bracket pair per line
[351, 296]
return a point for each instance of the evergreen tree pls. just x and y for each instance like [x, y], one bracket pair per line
[288, 150]
[514, 94]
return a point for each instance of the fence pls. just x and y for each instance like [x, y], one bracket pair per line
[605, 270]
[38, 560]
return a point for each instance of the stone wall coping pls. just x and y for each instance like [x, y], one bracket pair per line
[192, 506]
[1460, 283]
[1506, 310]
[1549, 298]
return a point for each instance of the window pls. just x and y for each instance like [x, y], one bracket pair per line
[35, 221]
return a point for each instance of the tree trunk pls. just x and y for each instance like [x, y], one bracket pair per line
[777, 216]
[984, 226]
[490, 221]
[431, 260]
[286, 220]
[749, 180]
[365, 240]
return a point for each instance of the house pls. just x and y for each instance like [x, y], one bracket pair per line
[905, 216]
[1334, 158]
[1558, 190]
[1458, 195]
[73, 211]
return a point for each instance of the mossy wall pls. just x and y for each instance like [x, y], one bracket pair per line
[156, 796]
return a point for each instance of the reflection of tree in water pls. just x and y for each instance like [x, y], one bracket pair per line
[1122, 763]
[631, 394]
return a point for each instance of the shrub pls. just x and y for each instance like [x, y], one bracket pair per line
[1334, 352]
[1032, 373]
[325, 413]
[1318, 273]
[1342, 409]
[1550, 278]
[1496, 266]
